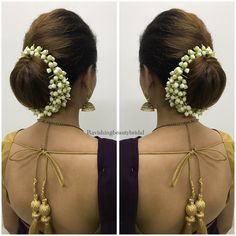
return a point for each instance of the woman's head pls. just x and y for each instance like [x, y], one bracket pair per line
[165, 40]
[70, 40]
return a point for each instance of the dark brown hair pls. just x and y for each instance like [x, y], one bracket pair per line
[67, 38]
[166, 39]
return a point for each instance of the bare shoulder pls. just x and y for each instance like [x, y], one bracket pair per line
[176, 138]
[67, 139]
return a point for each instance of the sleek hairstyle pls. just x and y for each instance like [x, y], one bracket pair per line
[67, 38]
[166, 39]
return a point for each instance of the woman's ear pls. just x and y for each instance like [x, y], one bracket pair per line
[89, 78]
[146, 78]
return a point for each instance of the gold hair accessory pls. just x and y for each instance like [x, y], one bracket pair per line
[147, 106]
[88, 106]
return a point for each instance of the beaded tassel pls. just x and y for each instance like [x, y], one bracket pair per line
[191, 211]
[201, 205]
[45, 210]
[35, 205]
[45, 216]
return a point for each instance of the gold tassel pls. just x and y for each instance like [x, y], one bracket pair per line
[44, 211]
[35, 205]
[200, 204]
[47, 228]
[191, 211]
[33, 229]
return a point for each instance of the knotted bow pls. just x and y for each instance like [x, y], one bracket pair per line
[38, 153]
[205, 152]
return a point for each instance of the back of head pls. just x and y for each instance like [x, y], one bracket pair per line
[69, 39]
[166, 39]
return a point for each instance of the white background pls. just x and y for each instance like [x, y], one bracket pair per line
[101, 17]
[134, 17]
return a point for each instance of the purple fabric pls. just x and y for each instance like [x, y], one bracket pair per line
[128, 185]
[22, 229]
[129, 163]
[106, 187]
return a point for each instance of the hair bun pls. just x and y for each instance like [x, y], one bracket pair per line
[206, 82]
[29, 82]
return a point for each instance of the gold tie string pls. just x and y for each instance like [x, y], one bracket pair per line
[36, 153]
[194, 152]
[195, 206]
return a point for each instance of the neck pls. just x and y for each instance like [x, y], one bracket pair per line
[68, 115]
[168, 115]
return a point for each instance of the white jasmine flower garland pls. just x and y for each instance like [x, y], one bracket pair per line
[176, 86]
[59, 85]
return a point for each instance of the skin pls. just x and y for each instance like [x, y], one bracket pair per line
[159, 213]
[80, 214]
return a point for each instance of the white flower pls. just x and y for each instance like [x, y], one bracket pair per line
[176, 85]
[49, 70]
[187, 70]
[56, 84]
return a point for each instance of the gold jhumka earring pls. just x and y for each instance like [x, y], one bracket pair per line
[147, 106]
[88, 106]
